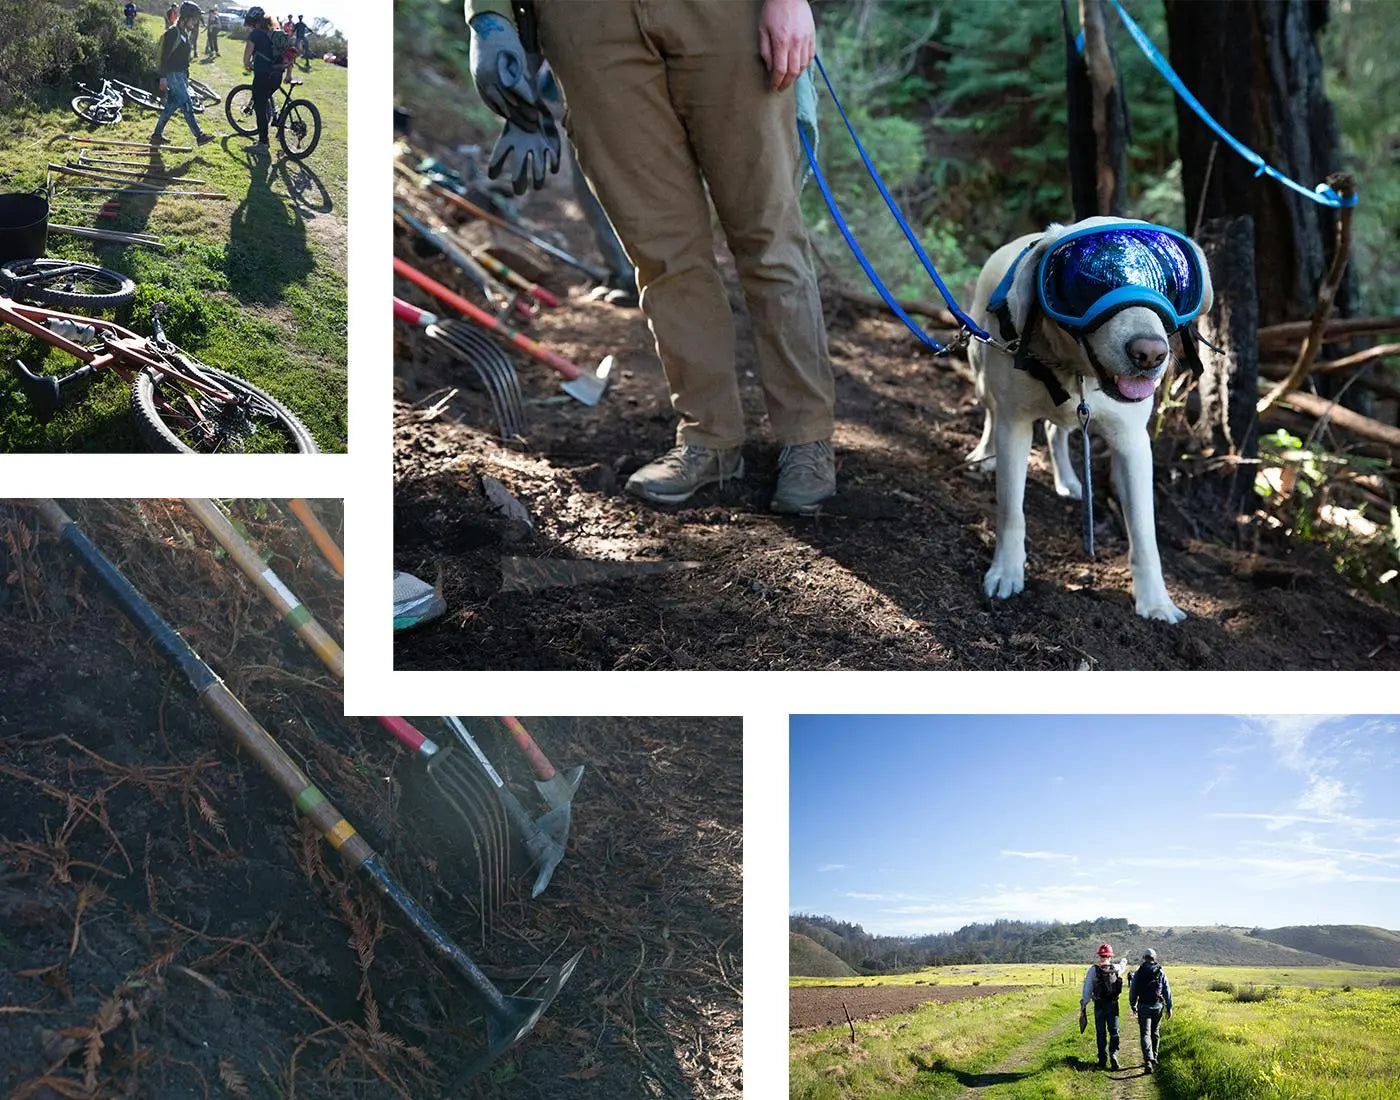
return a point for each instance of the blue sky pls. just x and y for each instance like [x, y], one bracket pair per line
[923, 824]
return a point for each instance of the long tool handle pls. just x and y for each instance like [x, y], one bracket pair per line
[319, 535]
[482, 279]
[543, 768]
[215, 696]
[408, 735]
[515, 279]
[295, 613]
[444, 294]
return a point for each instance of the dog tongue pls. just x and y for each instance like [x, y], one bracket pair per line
[1134, 386]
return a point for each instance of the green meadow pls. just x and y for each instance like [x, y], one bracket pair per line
[255, 285]
[1237, 1033]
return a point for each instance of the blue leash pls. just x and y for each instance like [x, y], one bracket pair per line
[971, 328]
[1322, 194]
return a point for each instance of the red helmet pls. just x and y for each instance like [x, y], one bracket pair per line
[1105, 952]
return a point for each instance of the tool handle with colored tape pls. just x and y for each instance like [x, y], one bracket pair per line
[475, 313]
[543, 768]
[514, 278]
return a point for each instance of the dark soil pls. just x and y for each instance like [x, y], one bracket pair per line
[889, 576]
[169, 929]
[827, 1005]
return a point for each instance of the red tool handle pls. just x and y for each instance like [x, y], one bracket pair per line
[543, 768]
[404, 732]
[501, 271]
[555, 362]
[403, 311]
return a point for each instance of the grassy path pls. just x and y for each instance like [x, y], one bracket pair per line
[1132, 1082]
[1020, 1064]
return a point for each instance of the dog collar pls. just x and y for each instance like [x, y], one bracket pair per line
[1022, 358]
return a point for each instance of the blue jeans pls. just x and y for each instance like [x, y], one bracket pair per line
[1106, 1028]
[177, 98]
[1149, 1022]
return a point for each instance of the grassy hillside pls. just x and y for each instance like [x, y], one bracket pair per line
[813, 960]
[1362, 944]
[1212, 946]
[255, 284]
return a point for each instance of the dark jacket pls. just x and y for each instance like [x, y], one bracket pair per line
[1138, 986]
[174, 52]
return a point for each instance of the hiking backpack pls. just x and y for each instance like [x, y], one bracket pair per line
[1108, 983]
[1149, 986]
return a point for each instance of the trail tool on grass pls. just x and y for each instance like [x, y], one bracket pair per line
[319, 535]
[578, 384]
[508, 1019]
[492, 366]
[544, 837]
[556, 788]
[465, 792]
[293, 611]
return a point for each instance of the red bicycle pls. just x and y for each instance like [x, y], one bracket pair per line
[180, 404]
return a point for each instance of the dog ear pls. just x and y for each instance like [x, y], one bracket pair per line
[1208, 287]
[1021, 296]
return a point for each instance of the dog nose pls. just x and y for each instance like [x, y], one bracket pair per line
[1146, 353]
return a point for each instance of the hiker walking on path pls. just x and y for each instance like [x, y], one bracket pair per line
[175, 54]
[261, 56]
[1102, 985]
[666, 100]
[1148, 997]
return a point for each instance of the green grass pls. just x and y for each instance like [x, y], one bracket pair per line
[255, 285]
[1327, 1033]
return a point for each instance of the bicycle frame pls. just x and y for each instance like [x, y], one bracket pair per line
[122, 351]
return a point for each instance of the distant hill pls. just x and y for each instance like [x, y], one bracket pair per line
[1362, 944]
[1056, 942]
[809, 959]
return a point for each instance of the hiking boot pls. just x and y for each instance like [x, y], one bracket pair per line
[806, 477]
[676, 475]
[1103, 1064]
[415, 601]
[204, 139]
[1113, 1061]
[158, 138]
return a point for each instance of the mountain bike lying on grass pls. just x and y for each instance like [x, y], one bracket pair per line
[180, 404]
[105, 107]
[298, 122]
[201, 95]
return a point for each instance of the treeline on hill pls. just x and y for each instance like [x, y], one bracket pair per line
[1000, 941]
[824, 947]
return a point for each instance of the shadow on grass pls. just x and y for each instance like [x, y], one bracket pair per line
[965, 1078]
[304, 186]
[267, 249]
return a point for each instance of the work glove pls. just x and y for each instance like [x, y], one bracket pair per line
[535, 152]
[500, 71]
[1083, 1019]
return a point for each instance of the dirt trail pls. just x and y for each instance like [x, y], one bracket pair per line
[1131, 1082]
[1015, 1065]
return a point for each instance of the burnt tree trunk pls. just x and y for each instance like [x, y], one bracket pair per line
[1255, 66]
[1097, 116]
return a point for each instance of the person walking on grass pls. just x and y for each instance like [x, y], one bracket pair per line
[175, 54]
[303, 33]
[1102, 984]
[1148, 997]
[130, 12]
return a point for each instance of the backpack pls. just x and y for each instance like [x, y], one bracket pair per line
[1149, 986]
[1108, 983]
[283, 45]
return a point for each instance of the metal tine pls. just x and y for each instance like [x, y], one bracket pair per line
[462, 803]
[474, 801]
[507, 387]
[478, 349]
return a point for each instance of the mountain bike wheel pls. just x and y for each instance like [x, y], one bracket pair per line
[175, 418]
[238, 108]
[66, 283]
[90, 108]
[142, 98]
[300, 129]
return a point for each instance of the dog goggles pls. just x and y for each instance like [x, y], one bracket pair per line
[1087, 276]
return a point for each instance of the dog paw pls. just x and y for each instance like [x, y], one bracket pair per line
[1160, 608]
[980, 461]
[1069, 486]
[1004, 580]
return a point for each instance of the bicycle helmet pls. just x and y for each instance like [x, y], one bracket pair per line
[253, 14]
[188, 9]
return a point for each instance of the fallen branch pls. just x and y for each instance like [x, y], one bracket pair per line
[1320, 408]
[120, 176]
[1326, 294]
[1289, 331]
[1374, 385]
[153, 191]
[82, 140]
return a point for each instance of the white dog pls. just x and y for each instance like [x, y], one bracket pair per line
[1093, 304]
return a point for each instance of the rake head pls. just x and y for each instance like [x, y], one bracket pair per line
[464, 791]
[492, 366]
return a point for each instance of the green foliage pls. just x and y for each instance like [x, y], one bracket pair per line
[1221, 987]
[43, 44]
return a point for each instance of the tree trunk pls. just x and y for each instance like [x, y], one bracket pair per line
[1098, 120]
[1255, 66]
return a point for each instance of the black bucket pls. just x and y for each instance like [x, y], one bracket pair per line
[24, 226]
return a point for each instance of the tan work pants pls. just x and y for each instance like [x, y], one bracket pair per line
[665, 97]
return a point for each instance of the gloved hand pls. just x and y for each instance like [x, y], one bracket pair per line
[500, 72]
[536, 153]
[1083, 1019]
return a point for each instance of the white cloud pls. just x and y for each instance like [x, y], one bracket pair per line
[1325, 795]
[825, 867]
[1037, 855]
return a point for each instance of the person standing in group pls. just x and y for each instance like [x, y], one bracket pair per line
[1102, 984]
[172, 16]
[1149, 996]
[211, 35]
[175, 55]
[258, 55]
[303, 37]
[672, 106]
